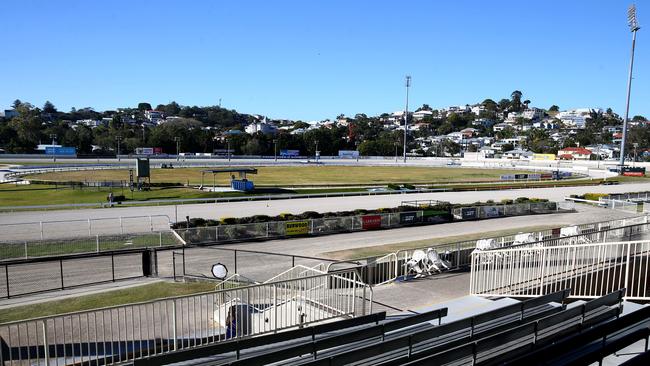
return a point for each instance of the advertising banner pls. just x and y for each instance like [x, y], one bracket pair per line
[349, 154]
[434, 216]
[407, 218]
[297, 227]
[521, 176]
[63, 150]
[289, 152]
[468, 213]
[492, 211]
[508, 177]
[370, 222]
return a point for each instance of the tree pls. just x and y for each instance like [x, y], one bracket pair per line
[638, 118]
[490, 105]
[515, 97]
[48, 107]
[526, 103]
[554, 108]
[504, 104]
[16, 104]
[144, 106]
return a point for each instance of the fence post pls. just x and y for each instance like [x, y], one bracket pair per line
[26, 249]
[7, 279]
[61, 269]
[41, 223]
[97, 242]
[627, 268]
[46, 356]
[113, 266]
[457, 255]
[160, 238]
[121, 226]
[235, 260]
[89, 228]
[174, 335]
[267, 229]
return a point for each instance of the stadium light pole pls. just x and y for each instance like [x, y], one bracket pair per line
[634, 26]
[406, 113]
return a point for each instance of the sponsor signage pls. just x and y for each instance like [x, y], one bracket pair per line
[433, 216]
[521, 176]
[60, 150]
[508, 177]
[296, 227]
[349, 154]
[144, 151]
[407, 218]
[492, 211]
[468, 213]
[289, 152]
[370, 222]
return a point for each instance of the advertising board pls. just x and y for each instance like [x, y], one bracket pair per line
[348, 154]
[407, 218]
[370, 222]
[296, 227]
[285, 152]
[63, 150]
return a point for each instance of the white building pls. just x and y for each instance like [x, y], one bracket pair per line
[420, 115]
[533, 113]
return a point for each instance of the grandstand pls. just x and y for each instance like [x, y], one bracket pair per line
[524, 332]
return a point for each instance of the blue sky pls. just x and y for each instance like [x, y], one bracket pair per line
[313, 60]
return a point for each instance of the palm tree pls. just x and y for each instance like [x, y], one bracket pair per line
[526, 103]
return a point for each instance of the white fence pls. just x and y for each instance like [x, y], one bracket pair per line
[589, 270]
[58, 229]
[123, 333]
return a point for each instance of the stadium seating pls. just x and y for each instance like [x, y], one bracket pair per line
[542, 330]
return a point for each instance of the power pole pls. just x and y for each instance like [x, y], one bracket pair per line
[634, 26]
[119, 140]
[275, 149]
[406, 113]
[178, 146]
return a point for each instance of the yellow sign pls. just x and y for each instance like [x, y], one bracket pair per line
[297, 227]
[543, 156]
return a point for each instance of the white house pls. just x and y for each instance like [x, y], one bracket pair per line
[420, 115]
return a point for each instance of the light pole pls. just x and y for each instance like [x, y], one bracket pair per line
[406, 113]
[119, 140]
[634, 26]
[275, 150]
[53, 137]
[316, 153]
[228, 151]
[636, 144]
[178, 146]
[396, 146]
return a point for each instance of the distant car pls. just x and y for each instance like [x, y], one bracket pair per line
[453, 163]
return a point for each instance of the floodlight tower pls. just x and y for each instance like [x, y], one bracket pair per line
[406, 113]
[634, 26]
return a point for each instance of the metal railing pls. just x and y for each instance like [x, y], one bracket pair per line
[24, 277]
[58, 229]
[88, 244]
[590, 270]
[385, 269]
[123, 333]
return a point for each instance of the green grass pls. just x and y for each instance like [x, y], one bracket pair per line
[85, 245]
[130, 295]
[299, 175]
[379, 250]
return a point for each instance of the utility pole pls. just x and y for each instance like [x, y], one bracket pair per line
[119, 140]
[316, 153]
[228, 152]
[53, 137]
[634, 26]
[178, 146]
[275, 150]
[406, 113]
